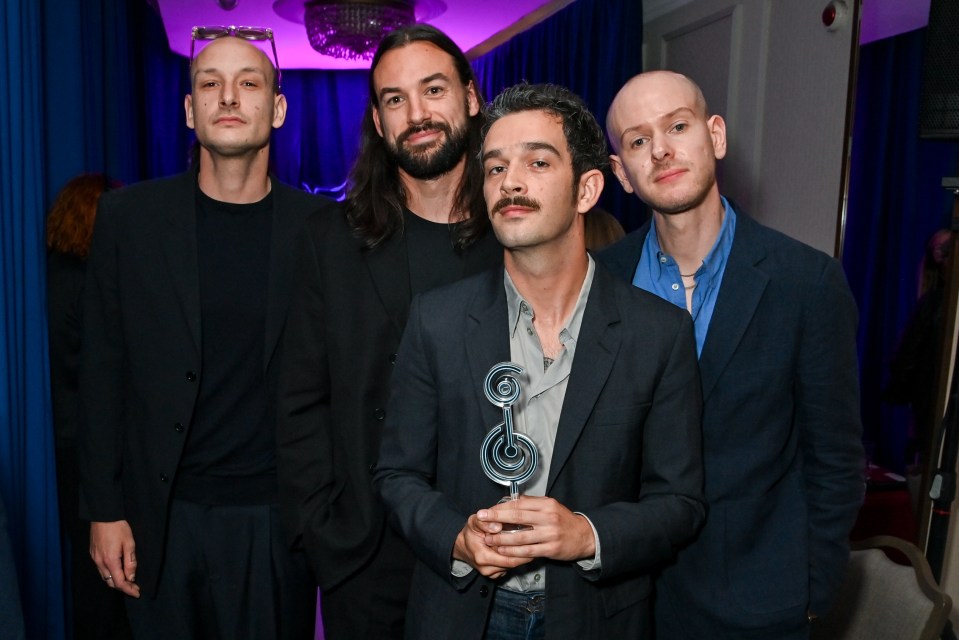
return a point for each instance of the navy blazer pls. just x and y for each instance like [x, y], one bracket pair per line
[141, 357]
[627, 452]
[781, 440]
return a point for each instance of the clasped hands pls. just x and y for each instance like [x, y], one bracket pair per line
[554, 532]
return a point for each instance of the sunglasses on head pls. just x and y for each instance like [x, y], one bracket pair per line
[244, 33]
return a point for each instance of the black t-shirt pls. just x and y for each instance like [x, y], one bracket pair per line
[229, 456]
[433, 260]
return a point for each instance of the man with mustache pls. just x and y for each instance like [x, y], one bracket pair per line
[609, 397]
[776, 334]
[187, 288]
[413, 220]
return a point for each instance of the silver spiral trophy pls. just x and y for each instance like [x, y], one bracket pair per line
[508, 458]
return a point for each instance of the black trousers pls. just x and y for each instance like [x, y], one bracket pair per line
[227, 575]
[372, 602]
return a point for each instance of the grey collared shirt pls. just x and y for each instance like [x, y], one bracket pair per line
[536, 413]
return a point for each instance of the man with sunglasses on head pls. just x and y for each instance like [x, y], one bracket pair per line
[414, 220]
[187, 290]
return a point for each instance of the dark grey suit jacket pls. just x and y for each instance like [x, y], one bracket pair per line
[627, 452]
[781, 441]
[140, 363]
[345, 325]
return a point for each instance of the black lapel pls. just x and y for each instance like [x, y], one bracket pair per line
[739, 294]
[286, 224]
[487, 340]
[596, 349]
[390, 271]
[180, 249]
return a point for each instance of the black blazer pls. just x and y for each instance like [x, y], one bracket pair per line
[345, 325]
[781, 439]
[627, 452]
[140, 363]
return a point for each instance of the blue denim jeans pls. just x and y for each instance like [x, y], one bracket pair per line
[517, 616]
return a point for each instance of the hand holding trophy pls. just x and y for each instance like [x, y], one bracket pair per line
[508, 458]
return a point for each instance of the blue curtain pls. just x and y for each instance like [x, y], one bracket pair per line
[316, 146]
[27, 480]
[895, 204]
[592, 47]
[114, 93]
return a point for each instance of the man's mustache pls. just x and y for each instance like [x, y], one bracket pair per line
[422, 128]
[519, 201]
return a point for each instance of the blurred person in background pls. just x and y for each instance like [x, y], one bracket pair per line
[602, 229]
[96, 611]
[915, 365]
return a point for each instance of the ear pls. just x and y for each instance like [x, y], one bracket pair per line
[617, 165]
[590, 187]
[188, 108]
[717, 131]
[472, 100]
[279, 111]
[376, 119]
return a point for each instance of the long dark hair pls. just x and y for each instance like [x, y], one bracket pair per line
[376, 198]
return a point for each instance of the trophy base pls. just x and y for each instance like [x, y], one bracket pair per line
[509, 527]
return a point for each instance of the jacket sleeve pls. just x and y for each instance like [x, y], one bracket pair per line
[670, 508]
[303, 431]
[100, 437]
[407, 465]
[827, 413]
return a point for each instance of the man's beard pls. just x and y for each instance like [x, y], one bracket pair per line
[430, 162]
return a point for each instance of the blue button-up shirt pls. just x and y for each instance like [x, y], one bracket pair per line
[659, 274]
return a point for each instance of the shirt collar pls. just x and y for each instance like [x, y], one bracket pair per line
[716, 258]
[518, 307]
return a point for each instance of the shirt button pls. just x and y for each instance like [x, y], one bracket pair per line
[536, 577]
[379, 414]
[372, 468]
[163, 477]
[392, 358]
[675, 287]
[529, 331]
[190, 376]
[662, 259]
[178, 427]
[484, 591]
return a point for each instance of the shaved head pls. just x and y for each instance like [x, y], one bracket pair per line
[199, 62]
[645, 86]
[665, 144]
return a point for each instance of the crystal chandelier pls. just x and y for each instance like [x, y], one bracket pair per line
[352, 30]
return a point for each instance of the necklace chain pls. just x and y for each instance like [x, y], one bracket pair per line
[690, 275]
